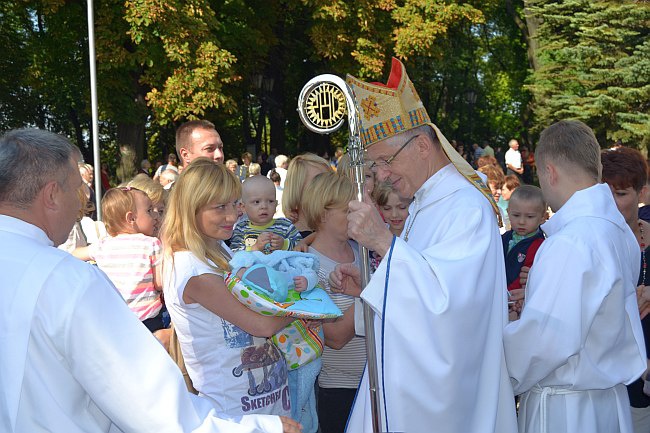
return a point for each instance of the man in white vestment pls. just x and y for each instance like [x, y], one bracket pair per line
[74, 358]
[579, 337]
[439, 293]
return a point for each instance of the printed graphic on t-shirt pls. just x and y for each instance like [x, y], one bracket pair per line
[266, 373]
[235, 337]
[250, 239]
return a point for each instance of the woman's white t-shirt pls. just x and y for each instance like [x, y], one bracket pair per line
[241, 373]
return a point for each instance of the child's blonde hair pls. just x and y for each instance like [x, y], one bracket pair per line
[153, 189]
[254, 169]
[294, 185]
[327, 191]
[116, 203]
[202, 182]
[382, 192]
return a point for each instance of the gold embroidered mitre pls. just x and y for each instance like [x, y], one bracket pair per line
[389, 109]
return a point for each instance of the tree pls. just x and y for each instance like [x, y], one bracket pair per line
[594, 66]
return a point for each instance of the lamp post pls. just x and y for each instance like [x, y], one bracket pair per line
[470, 98]
[264, 85]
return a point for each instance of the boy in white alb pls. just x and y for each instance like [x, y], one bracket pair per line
[579, 339]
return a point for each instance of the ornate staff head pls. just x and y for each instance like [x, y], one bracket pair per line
[322, 105]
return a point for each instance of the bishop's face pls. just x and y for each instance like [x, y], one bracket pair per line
[396, 159]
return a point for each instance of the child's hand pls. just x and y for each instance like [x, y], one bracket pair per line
[523, 275]
[302, 246]
[267, 242]
[300, 283]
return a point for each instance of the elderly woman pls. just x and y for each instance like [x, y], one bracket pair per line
[625, 171]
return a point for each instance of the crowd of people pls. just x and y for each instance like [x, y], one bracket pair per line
[484, 287]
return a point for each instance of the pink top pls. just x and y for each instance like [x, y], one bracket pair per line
[129, 260]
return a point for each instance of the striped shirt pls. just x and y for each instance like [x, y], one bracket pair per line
[341, 368]
[245, 234]
[129, 260]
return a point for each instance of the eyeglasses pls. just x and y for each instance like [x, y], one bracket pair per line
[383, 163]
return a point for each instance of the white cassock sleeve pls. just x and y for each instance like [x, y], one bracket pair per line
[128, 374]
[575, 322]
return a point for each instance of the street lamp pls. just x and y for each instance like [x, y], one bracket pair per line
[470, 98]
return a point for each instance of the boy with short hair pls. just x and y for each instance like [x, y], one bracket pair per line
[259, 231]
[579, 337]
[526, 212]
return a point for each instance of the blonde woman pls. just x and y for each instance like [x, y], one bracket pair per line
[302, 169]
[227, 353]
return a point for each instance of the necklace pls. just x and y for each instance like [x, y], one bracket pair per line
[410, 226]
[644, 264]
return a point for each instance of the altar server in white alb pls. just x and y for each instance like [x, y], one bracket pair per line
[579, 337]
[74, 358]
[439, 293]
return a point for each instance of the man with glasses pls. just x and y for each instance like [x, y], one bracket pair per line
[439, 293]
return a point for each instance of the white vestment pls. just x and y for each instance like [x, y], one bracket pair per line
[439, 325]
[579, 337]
[75, 359]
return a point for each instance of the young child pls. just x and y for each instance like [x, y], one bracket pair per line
[259, 231]
[131, 255]
[325, 208]
[226, 348]
[527, 211]
[393, 208]
[156, 193]
[279, 273]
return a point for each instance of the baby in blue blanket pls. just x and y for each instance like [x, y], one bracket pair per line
[281, 275]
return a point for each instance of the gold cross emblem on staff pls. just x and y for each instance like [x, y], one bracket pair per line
[325, 106]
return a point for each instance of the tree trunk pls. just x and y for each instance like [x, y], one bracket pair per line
[130, 139]
[528, 29]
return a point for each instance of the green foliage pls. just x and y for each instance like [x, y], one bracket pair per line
[595, 66]
[161, 62]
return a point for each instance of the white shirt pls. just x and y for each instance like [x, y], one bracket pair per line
[240, 373]
[283, 175]
[445, 309]
[75, 359]
[513, 157]
[580, 330]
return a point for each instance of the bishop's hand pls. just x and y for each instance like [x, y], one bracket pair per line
[366, 226]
